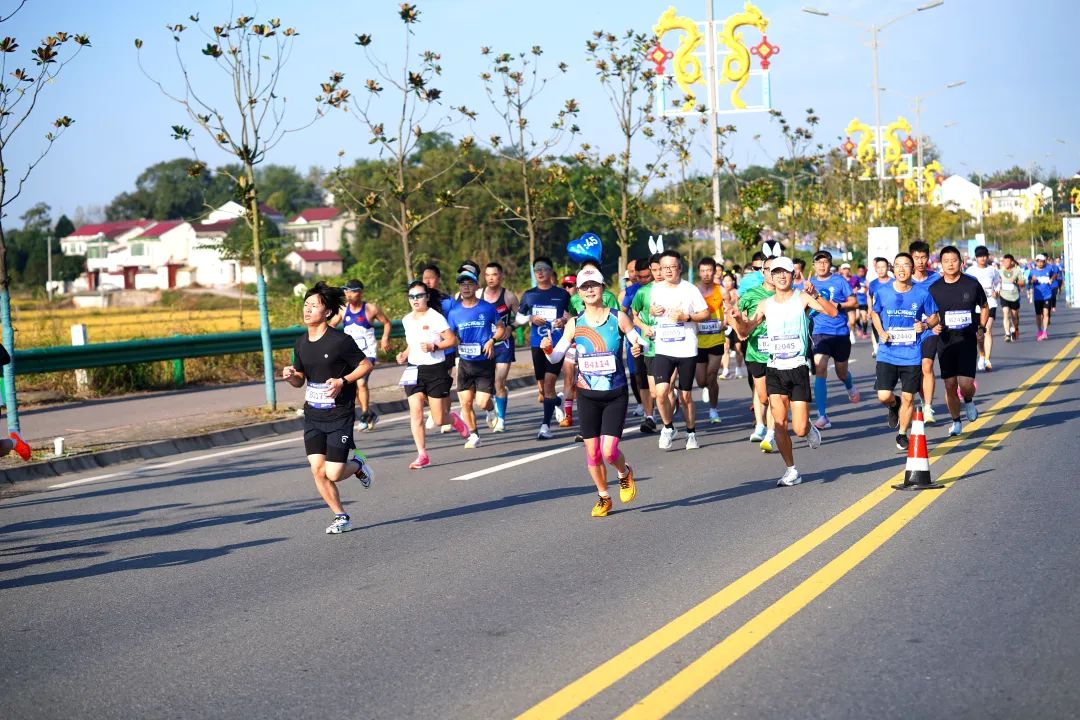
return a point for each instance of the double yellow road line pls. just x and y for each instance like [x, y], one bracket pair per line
[671, 694]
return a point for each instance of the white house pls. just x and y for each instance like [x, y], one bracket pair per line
[309, 263]
[321, 228]
[1019, 198]
[959, 193]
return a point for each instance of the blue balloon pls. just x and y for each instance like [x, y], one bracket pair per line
[586, 247]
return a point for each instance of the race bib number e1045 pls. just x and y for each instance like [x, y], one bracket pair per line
[785, 346]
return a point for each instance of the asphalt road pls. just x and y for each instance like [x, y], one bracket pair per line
[204, 586]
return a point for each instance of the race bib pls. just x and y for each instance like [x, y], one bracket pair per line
[1008, 286]
[1043, 280]
[902, 336]
[409, 376]
[670, 332]
[957, 319]
[785, 346]
[602, 363]
[709, 327]
[316, 396]
[546, 312]
[469, 350]
[763, 344]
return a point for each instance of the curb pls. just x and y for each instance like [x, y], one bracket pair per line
[163, 448]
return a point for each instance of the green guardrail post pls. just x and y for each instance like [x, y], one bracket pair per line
[178, 372]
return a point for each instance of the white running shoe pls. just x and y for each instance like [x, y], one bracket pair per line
[340, 525]
[445, 429]
[705, 395]
[499, 426]
[739, 374]
[691, 441]
[759, 433]
[981, 364]
[473, 442]
[491, 417]
[971, 411]
[666, 436]
[813, 438]
[638, 411]
[791, 477]
[544, 433]
[854, 395]
[768, 443]
[362, 425]
[928, 414]
[714, 416]
[822, 422]
[365, 474]
[430, 424]
[560, 412]
[956, 428]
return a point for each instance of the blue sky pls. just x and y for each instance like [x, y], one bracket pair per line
[1019, 100]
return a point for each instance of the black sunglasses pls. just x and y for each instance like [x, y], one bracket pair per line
[417, 296]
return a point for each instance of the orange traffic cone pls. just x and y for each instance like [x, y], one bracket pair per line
[917, 473]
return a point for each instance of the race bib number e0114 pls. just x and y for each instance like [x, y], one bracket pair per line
[902, 336]
[316, 396]
[602, 363]
[546, 313]
[409, 376]
[957, 319]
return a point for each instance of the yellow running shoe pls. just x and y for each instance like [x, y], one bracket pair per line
[627, 487]
[602, 506]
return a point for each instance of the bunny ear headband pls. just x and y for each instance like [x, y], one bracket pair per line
[772, 249]
[656, 246]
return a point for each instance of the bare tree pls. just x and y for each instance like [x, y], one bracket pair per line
[399, 197]
[18, 99]
[512, 83]
[630, 89]
[250, 56]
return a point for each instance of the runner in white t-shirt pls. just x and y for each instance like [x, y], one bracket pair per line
[677, 306]
[990, 279]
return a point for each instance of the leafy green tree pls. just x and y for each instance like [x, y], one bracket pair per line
[64, 227]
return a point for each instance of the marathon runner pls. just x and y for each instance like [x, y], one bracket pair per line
[732, 350]
[924, 277]
[677, 306]
[577, 304]
[440, 302]
[506, 304]
[478, 328]
[787, 374]
[644, 323]
[427, 377]
[1042, 292]
[544, 307]
[1012, 279]
[355, 321]
[990, 279]
[330, 363]
[757, 359]
[862, 315]
[848, 311]
[710, 336]
[881, 272]
[902, 313]
[598, 332]
[965, 316]
[639, 376]
[831, 335]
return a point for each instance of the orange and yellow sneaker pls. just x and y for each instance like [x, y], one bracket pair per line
[602, 506]
[627, 486]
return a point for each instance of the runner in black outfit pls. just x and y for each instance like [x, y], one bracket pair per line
[330, 363]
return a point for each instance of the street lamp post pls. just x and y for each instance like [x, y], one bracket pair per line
[874, 30]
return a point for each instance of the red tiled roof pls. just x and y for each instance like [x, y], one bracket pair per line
[318, 255]
[110, 229]
[267, 210]
[221, 226]
[1011, 185]
[160, 228]
[316, 214]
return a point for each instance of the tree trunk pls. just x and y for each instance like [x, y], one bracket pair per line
[9, 338]
[260, 280]
[406, 253]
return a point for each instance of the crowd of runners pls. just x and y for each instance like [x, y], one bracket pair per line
[658, 338]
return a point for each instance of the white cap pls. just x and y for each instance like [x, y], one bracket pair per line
[846, 265]
[782, 263]
[589, 274]
[1040, 256]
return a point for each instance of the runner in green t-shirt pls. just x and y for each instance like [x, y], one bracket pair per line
[756, 360]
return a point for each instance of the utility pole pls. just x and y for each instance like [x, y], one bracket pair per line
[714, 129]
[48, 256]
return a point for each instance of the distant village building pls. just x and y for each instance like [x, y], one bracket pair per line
[320, 228]
[312, 263]
[1018, 198]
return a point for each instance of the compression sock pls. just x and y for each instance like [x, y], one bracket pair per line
[849, 382]
[549, 410]
[821, 395]
[500, 406]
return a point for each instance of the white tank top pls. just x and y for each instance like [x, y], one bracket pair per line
[787, 329]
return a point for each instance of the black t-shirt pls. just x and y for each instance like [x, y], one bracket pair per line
[958, 304]
[333, 355]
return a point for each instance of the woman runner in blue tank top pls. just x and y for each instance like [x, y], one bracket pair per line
[597, 334]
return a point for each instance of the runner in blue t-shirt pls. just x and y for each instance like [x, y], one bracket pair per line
[831, 336]
[882, 275]
[923, 276]
[1041, 282]
[902, 312]
[477, 324]
[544, 308]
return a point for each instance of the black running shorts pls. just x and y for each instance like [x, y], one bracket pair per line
[838, 347]
[602, 412]
[478, 376]
[432, 380]
[333, 440]
[930, 347]
[958, 359]
[665, 365]
[542, 367]
[795, 383]
[909, 376]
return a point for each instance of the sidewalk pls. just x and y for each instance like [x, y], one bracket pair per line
[103, 432]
